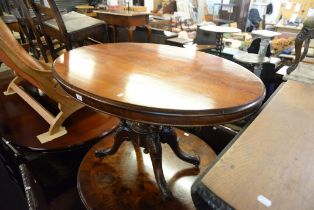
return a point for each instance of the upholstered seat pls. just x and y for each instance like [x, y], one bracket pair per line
[75, 22]
[71, 28]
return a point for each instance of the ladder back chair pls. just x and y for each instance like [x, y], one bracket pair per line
[68, 28]
[30, 26]
[40, 76]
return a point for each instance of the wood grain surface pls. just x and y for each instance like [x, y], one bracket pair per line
[273, 157]
[126, 179]
[159, 84]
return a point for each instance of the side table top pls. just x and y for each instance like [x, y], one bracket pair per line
[251, 58]
[122, 13]
[159, 83]
[220, 29]
[266, 33]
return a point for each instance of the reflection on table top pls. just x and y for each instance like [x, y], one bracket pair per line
[250, 58]
[122, 13]
[220, 29]
[160, 80]
[266, 33]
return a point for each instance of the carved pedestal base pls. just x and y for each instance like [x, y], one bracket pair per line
[150, 138]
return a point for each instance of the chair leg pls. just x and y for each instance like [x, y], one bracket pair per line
[56, 129]
[51, 47]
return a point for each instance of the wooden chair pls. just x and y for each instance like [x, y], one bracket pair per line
[40, 76]
[30, 27]
[69, 28]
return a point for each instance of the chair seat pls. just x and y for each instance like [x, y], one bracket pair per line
[75, 22]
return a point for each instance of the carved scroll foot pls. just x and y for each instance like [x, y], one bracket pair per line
[169, 136]
[122, 134]
[150, 138]
[153, 146]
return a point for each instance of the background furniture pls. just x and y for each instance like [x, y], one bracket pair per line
[235, 11]
[225, 13]
[28, 69]
[127, 19]
[30, 27]
[219, 30]
[269, 166]
[138, 96]
[53, 165]
[265, 37]
[68, 28]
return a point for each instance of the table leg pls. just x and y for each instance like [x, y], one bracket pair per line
[131, 30]
[149, 33]
[262, 52]
[114, 33]
[219, 44]
[150, 138]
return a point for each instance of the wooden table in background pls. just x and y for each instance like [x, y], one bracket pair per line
[168, 86]
[288, 28]
[270, 165]
[219, 30]
[128, 19]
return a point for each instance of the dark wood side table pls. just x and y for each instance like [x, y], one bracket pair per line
[128, 19]
[168, 86]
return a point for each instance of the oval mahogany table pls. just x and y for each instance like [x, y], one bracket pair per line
[153, 87]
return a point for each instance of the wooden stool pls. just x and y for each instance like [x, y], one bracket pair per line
[126, 179]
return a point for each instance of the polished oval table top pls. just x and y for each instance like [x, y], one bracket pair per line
[159, 84]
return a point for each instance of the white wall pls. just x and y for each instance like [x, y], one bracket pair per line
[149, 4]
